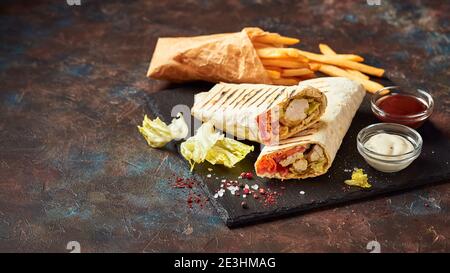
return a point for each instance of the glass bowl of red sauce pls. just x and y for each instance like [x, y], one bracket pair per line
[396, 105]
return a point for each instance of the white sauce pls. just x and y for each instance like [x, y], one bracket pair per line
[388, 145]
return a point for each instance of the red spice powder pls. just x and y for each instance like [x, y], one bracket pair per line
[193, 197]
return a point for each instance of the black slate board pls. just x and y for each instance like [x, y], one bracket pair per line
[432, 166]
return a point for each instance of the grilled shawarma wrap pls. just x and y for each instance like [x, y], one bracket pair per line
[259, 112]
[312, 155]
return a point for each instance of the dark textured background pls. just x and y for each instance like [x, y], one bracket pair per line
[73, 88]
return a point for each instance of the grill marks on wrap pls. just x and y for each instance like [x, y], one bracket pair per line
[264, 98]
[228, 98]
[282, 95]
[233, 104]
[213, 96]
[245, 97]
[273, 96]
[225, 95]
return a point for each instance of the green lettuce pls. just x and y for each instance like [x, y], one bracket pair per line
[313, 105]
[157, 133]
[228, 152]
[213, 147]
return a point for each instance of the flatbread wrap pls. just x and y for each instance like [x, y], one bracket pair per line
[312, 155]
[259, 112]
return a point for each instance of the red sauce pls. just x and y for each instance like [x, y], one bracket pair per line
[399, 107]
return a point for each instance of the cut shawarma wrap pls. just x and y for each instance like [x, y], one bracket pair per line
[259, 112]
[312, 155]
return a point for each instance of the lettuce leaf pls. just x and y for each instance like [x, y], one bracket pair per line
[313, 106]
[195, 148]
[157, 133]
[228, 152]
[213, 147]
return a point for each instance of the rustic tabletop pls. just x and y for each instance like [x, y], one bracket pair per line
[73, 166]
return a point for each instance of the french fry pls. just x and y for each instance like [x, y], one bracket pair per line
[261, 45]
[307, 76]
[273, 74]
[285, 81]
[351, 57]
[357, 74]
[326, 50]
[334, 71]
[338, 61]
[273, 38]
[274, 68]
[314, 66]
[284, 63]
[296, 72]
[273, 52]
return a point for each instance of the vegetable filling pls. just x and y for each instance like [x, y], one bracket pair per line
[296, 112]
[297, 160]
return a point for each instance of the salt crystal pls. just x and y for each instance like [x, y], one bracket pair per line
[246, 186]
[244, 196]
[216, 195]
[255, 187]
[302, 192]
[221, 192]
[224, 180]
[208, 175]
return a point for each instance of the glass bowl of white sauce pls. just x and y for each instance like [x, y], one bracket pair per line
[389, 147]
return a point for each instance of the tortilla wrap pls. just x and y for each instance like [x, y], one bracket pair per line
[344, 98]
[259, 112]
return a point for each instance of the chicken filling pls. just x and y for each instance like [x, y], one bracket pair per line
[296, 112]
[298, 160]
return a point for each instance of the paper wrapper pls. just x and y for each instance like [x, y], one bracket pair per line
[228, 57]
[344, 97]
[237, 108]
